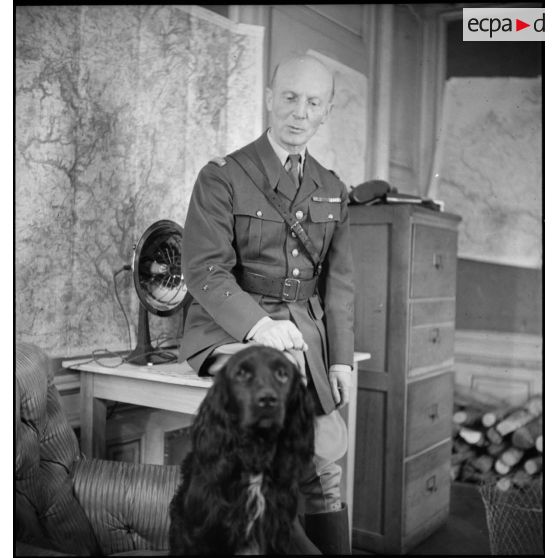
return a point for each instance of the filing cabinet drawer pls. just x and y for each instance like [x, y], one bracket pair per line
[432, 312]
[427, 487]
[429, 412]
[430, 347]
[434, 263]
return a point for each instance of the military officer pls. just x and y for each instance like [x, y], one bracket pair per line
[252, 278]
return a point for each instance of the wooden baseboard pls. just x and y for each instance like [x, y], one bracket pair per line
[505, 365]
[500, 347]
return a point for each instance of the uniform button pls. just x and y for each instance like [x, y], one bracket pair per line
[330, 216]
[293, 234]
[259, 213]
[296, 272]
[295, 252]
[299, 215]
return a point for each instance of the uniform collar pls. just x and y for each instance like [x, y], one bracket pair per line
[275, 172]
[281, 152]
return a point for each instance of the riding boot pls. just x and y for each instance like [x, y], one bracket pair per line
[329, 531]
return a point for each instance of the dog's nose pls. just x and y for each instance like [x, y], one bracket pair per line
[267, 399]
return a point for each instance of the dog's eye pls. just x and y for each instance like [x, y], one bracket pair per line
[243, 375]
[282, 375]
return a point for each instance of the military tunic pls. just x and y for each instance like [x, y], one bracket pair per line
[231, 228]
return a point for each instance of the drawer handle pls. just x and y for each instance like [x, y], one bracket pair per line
[431, 484]
[437, 261]
[435, 335]
[433, 412]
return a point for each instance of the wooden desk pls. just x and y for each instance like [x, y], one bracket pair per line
[170, 387]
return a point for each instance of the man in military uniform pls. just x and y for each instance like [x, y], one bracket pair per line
[253, 279]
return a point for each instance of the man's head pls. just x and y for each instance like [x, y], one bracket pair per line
[299, 100]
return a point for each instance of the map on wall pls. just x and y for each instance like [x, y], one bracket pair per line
[488, 167]
[340, 144]
[117, 110]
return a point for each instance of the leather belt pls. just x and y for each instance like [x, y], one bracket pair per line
[287, 289]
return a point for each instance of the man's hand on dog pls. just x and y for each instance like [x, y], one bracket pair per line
[341, 381]
[280, 334]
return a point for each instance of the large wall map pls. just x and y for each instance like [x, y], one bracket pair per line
[488, 167]
[117, 109]
[340, 144]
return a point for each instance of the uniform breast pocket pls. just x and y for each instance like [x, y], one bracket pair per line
[258, 228]
[324, 217]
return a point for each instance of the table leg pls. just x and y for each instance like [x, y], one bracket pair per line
[93, 415]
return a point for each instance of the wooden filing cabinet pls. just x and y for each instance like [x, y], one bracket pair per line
[405, 276]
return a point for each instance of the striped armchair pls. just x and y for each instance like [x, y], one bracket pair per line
[69, 505]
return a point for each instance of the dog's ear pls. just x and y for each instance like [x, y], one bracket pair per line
[213, 429]
[297, 436]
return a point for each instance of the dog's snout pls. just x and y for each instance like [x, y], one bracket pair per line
[267, 398]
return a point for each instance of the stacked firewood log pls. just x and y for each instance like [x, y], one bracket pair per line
[494, 441]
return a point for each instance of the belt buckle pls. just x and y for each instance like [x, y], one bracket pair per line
[290, 289]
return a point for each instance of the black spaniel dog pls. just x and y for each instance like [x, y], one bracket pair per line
[251, 441]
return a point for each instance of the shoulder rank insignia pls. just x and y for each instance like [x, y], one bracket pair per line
[221, 161]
